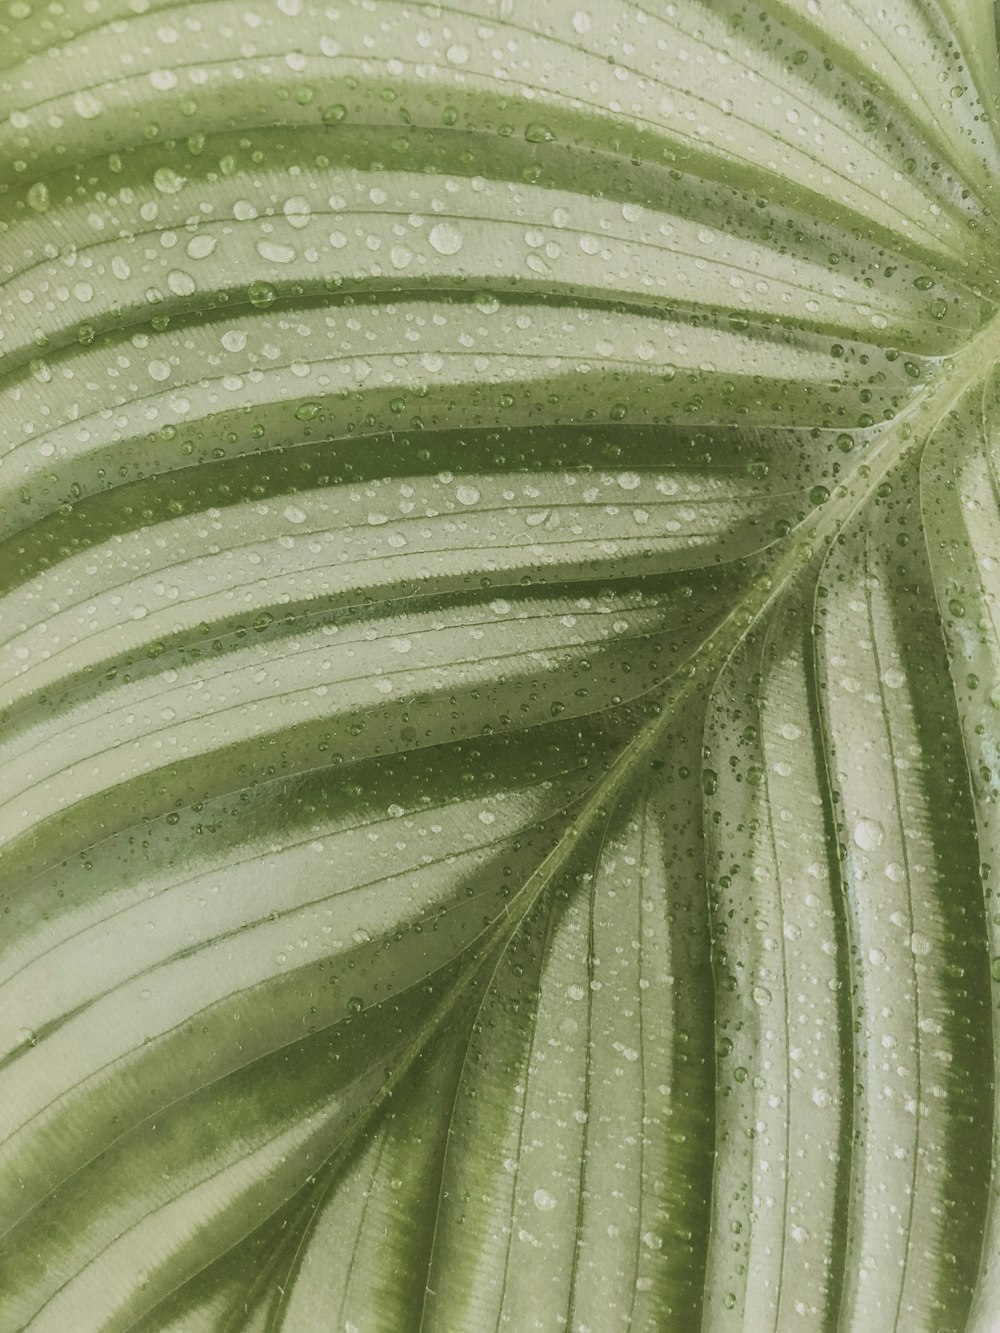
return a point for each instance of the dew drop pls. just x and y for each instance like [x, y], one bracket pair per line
[869, 834]
[86, 106]
[38, 197]
[167, 181]
[200, 247]
[276, 253]
[297, 211]
[445, 238]
[181, 283]
[261, 294]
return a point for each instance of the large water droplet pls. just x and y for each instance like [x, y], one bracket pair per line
[445, 238]
[869, 834]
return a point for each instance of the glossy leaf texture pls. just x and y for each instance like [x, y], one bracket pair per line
[500, 667]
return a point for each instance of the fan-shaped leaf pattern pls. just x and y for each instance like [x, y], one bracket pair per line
[501, 520]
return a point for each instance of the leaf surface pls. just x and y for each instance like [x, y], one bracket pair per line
[499, 667]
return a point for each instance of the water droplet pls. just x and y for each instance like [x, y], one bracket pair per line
[544, 1201]
[297, 211]
[86, 105]
[467, 495]
[445, 238]
[38, 197]
[276, 253]
[181, 283]
[167, 181]
[200, 247]
[869, 834]
[261, 294]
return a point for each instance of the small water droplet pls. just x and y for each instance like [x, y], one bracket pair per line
[261, 294]
[38, 197]
[86, 106]
[167, 181]
[297, 211]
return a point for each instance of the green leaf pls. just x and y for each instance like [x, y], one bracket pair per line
[500, 667]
